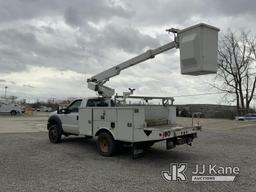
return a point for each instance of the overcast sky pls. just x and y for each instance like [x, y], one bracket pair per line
[48, 48]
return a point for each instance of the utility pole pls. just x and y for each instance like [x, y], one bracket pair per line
[5, 92]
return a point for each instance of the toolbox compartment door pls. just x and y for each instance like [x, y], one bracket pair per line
[85, 121]
[125, 124]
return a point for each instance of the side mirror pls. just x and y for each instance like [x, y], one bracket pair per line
[62, 111]
[65, 111]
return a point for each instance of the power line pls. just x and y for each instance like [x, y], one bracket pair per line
[200, 94]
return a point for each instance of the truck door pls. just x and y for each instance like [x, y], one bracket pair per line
[70, 119]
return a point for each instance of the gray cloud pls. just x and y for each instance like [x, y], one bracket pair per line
[148, 12]
[14, 46]
[5, 82]
[128, 39]
[181, 12]
[28, 85]
[81, 11]
[231, 7]
[20, 49]
[74, 11]
[25, 9]
[23, 47]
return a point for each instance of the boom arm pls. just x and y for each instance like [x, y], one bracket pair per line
[198, 46]
[96, 82]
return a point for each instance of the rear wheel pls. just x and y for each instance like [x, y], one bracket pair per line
[54, 134]
[106, 144]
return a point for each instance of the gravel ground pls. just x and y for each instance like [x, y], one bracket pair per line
[29, 162]
[23, 123]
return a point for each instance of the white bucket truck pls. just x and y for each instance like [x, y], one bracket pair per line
[114, 122]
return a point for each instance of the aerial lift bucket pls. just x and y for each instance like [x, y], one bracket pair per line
[198, 49]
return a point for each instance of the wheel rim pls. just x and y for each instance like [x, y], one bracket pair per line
[53, 134]
[104, 145]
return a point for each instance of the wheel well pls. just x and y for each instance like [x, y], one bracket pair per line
[13, 112]
[54, 121]
[104, 130]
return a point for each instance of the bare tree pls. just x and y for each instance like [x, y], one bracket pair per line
[236, 68]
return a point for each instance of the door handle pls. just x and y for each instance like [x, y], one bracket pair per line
[89, 121]
[77, 117]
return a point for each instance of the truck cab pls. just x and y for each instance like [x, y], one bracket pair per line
[70, 116]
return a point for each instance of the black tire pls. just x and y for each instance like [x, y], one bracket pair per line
[13, 112]
[54, 134]
[106, 145]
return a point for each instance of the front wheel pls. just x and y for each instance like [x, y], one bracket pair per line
[54, 134]
[106, 145]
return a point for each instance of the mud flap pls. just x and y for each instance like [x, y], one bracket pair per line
[189, 141]
[137, 150]
[170, 144]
